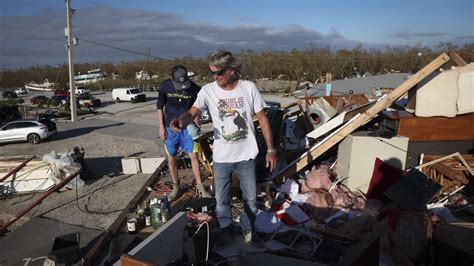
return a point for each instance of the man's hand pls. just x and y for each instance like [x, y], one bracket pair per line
[271, 159]
[176, 125]
[197, 121]
[162, 133]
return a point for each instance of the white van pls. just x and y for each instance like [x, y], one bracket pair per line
[128, 94]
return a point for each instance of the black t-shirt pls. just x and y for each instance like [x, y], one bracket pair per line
[175, 102]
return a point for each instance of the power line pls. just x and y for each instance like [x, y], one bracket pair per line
[121, 49]
[286, 54]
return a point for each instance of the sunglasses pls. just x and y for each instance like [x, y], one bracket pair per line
[218, 72]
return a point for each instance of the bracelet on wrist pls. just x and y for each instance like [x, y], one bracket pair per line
[272, 151]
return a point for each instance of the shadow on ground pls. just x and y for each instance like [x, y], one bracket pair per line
[80, 131]
[106, 166]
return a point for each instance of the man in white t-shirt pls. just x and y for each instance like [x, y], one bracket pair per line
[232, 103]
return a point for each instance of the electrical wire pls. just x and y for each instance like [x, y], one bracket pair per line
[332, 57]
[195, 233]
[121, 49]
[26, 174]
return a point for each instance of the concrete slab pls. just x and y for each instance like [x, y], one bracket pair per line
[95, 205]
[30, 244]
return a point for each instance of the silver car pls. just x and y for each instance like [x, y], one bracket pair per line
[32, 131]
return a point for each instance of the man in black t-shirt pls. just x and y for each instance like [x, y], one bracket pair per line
[176, 95]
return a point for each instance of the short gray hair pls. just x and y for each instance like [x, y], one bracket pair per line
[224, 59]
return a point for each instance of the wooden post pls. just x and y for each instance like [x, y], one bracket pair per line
[328, 84]
[384, 102]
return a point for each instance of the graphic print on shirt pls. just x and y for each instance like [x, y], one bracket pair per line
[235, 127]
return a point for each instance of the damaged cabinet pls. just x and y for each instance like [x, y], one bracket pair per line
[357, 153]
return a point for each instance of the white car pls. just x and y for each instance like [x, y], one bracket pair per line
[21, 91]
[32, 131]
[81, 91]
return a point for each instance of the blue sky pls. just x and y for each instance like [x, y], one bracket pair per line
[32, 30]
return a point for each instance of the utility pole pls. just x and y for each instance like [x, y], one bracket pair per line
[72, 87]
[143, 69]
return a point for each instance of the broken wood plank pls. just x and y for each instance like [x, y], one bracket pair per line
[457, 58]
[381, 104]
[328, 126]
[128, 260]
[450, 173]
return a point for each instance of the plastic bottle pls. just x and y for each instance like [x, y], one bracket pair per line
[131, 222]
[164, 212]
[166, 203]
[156, 219]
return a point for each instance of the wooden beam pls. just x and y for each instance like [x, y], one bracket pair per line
[383, 102]
[127, 260]
[457, 58]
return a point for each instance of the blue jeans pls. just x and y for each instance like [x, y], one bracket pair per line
[245, 171]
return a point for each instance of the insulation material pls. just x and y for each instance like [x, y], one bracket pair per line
[325, 197]
[318, 178]
[438, 96]
[465, 101]
[344, 198]
[319, 204]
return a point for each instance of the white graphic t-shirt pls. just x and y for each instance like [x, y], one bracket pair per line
[232, 112]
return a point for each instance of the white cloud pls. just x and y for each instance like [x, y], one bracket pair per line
[39, 40]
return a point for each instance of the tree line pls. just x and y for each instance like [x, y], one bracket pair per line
[310, 64]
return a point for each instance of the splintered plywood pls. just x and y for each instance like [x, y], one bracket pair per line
[33, 177]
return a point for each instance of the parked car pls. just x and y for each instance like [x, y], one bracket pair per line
[33, 131]
[40, 99]
[50, 114]
[21, 90]
[9, 95]
[62, 92]
[128, 94]
[59, 100]
[9, 113]
[82, 90]
[88, 101]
